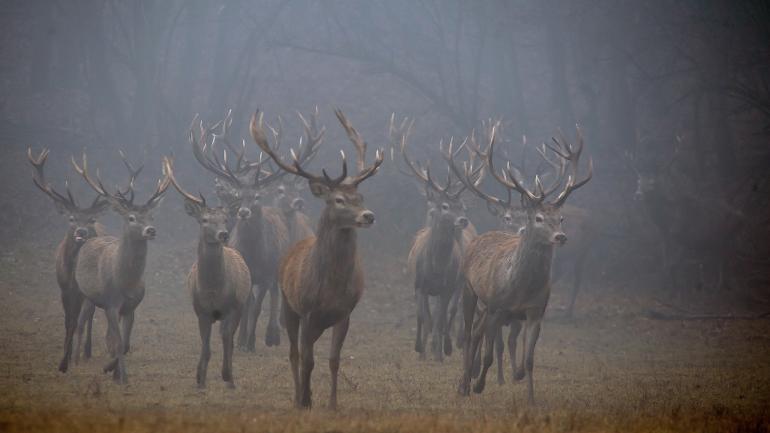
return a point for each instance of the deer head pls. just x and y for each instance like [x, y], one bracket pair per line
[137, 218]
[212, 220]
[445, 206]
[543, 219]
[81, 219]
[344, 204]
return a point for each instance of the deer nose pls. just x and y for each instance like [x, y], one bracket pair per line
[81, 233]
[149, 232]
[223, 235]
[297, 204]
[368, 217]
[462, 222]
[244, 212]
[560, 238]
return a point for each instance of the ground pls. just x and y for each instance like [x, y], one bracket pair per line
[612, 368]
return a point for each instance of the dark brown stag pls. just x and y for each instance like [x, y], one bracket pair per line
[110, 270]
[436, 254]
[321, 277]
[82, 226]
[510, 273]
[219, 280]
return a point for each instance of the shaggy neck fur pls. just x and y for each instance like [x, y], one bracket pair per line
[130, 260]
[334, 254]
[441, 239]
[211, 265]
[529, 266]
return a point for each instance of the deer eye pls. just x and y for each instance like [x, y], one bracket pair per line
[538, 218]
[131, 219]
[561, 219]
[204, 220]
[339, 200]
[445, 206]
[72, 219]
[91, 220]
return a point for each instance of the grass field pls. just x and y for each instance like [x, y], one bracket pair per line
[610, 369]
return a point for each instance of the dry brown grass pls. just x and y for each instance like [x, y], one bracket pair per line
[612, 369]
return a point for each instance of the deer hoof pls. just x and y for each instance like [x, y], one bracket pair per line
[63, 366]
[478, 388]
[273, 336]
[448, 346]
[463, 389]
[518, 375]
[230, 385]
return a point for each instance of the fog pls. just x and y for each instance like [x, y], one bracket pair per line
[672, 91]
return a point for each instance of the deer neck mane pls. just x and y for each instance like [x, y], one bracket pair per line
[334, 253]
[131, 257]
[211, 264]
[528, 266]
[440, 243]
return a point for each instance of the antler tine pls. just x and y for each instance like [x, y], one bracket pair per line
[199, 151]
[573, 156]
[169, 173]
[514, 182]
[559, 168]
[38, 178]
[132, 175]
[95, 185]
[259, 137]
[467, 181]
[364, 172]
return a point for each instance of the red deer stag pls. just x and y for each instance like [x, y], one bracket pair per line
[110, 270]
[82, 226]
[259, 234]
[321, 277]
[219, 280]
[510, 273]
[435, 257]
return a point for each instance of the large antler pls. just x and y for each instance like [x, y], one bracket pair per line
[169, 172]
[571, 155]
[119, 196]
[38, 177]
[210, 163]
[364, 172]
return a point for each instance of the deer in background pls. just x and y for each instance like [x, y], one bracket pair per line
[509, 273]
[435, 256]
[82, 226]
[110, 270]
[219, 280]
[321, 277]
[260, 233]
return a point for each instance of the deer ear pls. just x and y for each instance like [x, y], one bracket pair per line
[298, 204]
[192, 208]
[319, 190]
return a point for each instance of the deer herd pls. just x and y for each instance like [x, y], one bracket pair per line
[250, 246]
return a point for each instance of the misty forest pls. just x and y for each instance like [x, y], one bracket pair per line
[428, 215]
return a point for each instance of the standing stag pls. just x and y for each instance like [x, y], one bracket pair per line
[436, 256]
[110, 270]
[321, 277]
[259, 234]
[82, 226]
[509, 273]
[219, 280]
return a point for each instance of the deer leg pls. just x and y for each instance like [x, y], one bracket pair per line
[532, 333]
[84, 318]
[227, 329]
[450, 326]
[469, 310]
[256, 310]
[90, 311]
[499, 348]
[292, 330]
[128, 326]
[204, 327]
[308, 337]
[518, 372]
[113, 324]
[446, 327]
[71, 302]
[419, 347]
[243, 327]
[339, 332]
[576, 283]
[273, 333]
[438, 336]
[493, 328]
